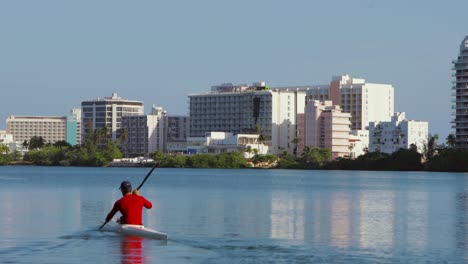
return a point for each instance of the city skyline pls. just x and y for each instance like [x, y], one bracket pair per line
[55, 55]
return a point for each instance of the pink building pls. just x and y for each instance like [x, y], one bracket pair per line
[326, 126]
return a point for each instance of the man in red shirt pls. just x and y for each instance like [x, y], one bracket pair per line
[130, 206]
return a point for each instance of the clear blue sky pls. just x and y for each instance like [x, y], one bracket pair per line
[55, 54]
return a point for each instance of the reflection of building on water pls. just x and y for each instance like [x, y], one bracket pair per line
[461, 217]
[418, 222]
[340, 227]
[287, 216]
[19, 215]
[376, 223]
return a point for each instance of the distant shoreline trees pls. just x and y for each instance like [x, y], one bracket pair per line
[99, 150]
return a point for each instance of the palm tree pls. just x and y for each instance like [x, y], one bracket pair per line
[430, 148]
[451, 140]
[25, 144]
[36, 142]
[295, 141]
[248, 150]
[123, 138]
[4, 149]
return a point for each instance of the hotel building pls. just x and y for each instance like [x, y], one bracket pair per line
[108, 112]
[50, 128]
[366, 102]
[242, 109]
[460, 97]
[146, 133]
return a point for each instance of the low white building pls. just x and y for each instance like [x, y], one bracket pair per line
[7, 140]
[398, 133]
[358, 143]
[225, 142]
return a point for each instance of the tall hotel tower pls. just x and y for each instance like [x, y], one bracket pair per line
[107, 112]
[460, 94]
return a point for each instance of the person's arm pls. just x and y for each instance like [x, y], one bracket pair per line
[114, 210]
[147, 204]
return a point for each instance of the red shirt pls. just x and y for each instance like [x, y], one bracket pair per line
[131, 208]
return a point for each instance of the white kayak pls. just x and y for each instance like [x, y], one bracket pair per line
[134, 230]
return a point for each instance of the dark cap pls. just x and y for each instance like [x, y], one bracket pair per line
[126, 186]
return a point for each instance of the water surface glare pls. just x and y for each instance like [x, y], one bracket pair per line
[51, 214]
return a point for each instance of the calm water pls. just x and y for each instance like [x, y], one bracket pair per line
[50, 215]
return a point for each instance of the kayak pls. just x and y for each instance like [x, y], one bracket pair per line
[134, 230]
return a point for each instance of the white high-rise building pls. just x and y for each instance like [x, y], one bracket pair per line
[146, 133]
[460, 97]
[242, 109]
[400, 132]
[50, 128]
[326, 126]
[107, 112]
[366, 102]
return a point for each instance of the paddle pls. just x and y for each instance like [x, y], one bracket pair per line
[143, 182]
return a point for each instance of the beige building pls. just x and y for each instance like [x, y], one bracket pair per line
[50, 128]
[326, 126]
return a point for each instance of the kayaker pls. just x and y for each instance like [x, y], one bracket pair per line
[130, 206]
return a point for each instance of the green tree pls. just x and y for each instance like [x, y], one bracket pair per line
[123, 140]
[62, 143]
[449, 159]
[405, 159]
[430, 149]
[4, 149]
[451, 140]
[111, 151]
[317, 157]
[36, 142]
[25, 144]
[157, 155]
[249, 150]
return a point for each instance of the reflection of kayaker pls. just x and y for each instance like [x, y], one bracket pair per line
[130, 206]
[132, 250]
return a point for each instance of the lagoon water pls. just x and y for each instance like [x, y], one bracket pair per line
[50, 215]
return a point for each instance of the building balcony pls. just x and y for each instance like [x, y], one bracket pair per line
[459, 67]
